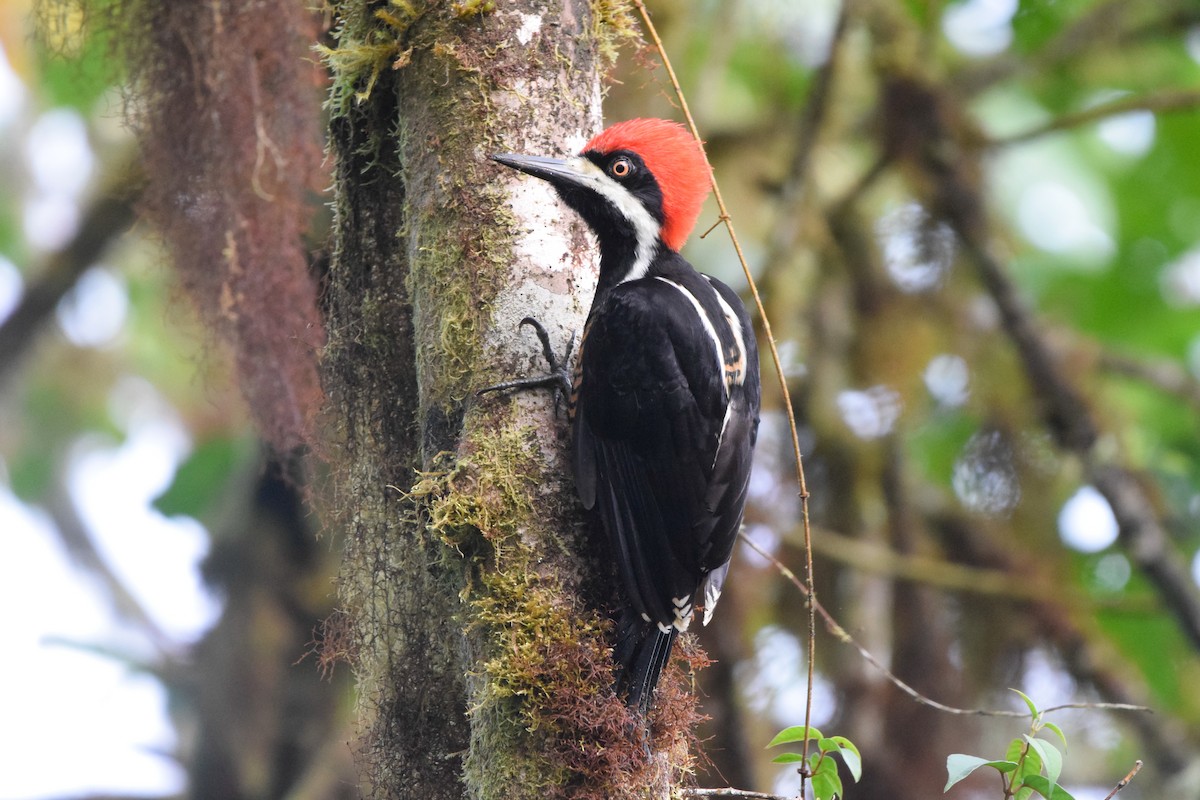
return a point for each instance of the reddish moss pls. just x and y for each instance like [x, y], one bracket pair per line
[228, 113]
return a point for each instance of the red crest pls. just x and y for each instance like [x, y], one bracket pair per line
[675, 159]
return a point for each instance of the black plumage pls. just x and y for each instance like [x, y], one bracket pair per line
[663, 445]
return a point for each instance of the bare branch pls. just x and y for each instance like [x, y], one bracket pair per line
[72, 531]
[1061, 405]
[107, 217]
[742, 793]
[787, 226]
[1166, 376]
[817, 107]
[940, 573]
[1157, 102]
[1104, 28]
[1148, 544]
[842, 634]
[1073, 426]
[1137, 767]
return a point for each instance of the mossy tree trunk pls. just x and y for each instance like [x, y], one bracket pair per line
[482, 664]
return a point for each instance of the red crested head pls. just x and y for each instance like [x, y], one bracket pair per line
[675, 159]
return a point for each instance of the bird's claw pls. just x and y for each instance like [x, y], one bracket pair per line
[559, 378]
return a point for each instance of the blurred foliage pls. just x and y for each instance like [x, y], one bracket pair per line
[864, 292]
[202, 479]
[978, 481]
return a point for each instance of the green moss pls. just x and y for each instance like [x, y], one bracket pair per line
[349, 64]
[614, 23]
[368, 43]
[487, 493]
[452, 309]
[545, 682]
[458, 299]
[472, 8]
[543, 713]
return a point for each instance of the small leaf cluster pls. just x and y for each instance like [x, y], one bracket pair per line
[1031, 766]
[820, 769]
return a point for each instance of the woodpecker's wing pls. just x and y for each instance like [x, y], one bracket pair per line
[664, 433]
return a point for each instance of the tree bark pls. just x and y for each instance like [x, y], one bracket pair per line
[481, 656]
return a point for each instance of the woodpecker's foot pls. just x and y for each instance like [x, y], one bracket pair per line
[559, 379]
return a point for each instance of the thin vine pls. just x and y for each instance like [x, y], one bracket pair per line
[725, 218]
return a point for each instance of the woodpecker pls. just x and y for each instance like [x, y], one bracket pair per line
[664, 396]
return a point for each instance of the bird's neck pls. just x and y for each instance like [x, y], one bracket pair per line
[624, 259]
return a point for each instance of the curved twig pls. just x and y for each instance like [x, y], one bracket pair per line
[835, 628]
[779, 371]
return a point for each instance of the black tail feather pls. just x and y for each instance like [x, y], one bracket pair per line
[641, 652]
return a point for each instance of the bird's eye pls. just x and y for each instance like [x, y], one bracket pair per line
[621, 168]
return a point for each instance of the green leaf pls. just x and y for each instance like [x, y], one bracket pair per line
[796, 733]
[822, 765]
[960, 765]
[825, 781]
[787, 758]
[844, 744]
[1039, 784]
[1015, 748]
[850, 755]
[1031, 764]
[201, 479]
[1051, 758]
[1057, 730]
[1033, 709]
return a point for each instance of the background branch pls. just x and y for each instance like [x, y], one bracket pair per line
[1166, 376]
[105, 219]
[1072, 424]
[1167, 101]
[741, 793]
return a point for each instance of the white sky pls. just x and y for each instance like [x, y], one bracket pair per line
[74, 722]
[80, 715]
[102, 709]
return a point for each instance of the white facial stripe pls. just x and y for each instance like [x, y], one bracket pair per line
[708, 328]
[645, 226]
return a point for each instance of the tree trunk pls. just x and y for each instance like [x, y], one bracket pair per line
[482, 661]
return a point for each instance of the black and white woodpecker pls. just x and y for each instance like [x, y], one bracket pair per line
[665, 391]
